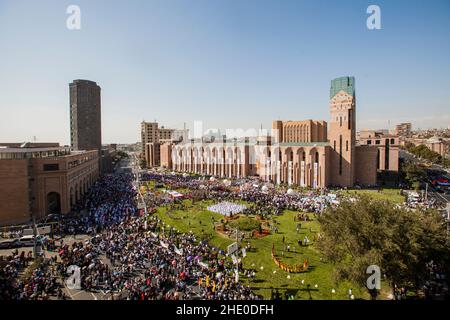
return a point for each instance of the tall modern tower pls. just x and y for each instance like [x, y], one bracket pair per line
[342, 130]
[85, 116]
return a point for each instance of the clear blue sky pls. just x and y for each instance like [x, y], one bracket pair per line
[229, 63]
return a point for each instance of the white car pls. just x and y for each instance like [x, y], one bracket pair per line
[28, 241]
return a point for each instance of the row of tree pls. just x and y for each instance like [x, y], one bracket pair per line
[403, 243]
[426, 153]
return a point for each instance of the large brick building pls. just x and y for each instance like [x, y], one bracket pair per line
[39, 179]
[306, 153]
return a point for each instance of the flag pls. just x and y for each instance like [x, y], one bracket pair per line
[178, 251]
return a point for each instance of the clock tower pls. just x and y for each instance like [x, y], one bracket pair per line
[342, 131]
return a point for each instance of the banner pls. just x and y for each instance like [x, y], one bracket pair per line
[232, 248]
[278, 172]
[290, 173]
[302, 174]
[316, 175]
[178, 251]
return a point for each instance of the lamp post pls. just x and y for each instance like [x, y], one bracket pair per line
[309, 291]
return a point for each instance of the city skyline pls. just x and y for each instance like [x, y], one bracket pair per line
[212, 61]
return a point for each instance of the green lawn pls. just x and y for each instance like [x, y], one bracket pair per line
[392, 195]
[320, 273]
[199, 220]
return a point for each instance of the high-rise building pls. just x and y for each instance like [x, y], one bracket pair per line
[403, 129]
[149, 141]
[151, 138]
[85, 115]
[149, 133]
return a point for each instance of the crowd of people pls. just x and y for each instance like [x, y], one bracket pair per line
[263, 200]
[131, 256]
[14, 285]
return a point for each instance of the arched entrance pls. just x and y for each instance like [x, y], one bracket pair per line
[53, 203]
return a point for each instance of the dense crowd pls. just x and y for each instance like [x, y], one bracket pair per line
[264, 200]
[129, 255]
[38, 286]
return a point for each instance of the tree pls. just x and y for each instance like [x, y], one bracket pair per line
[368, 232]
[422, 151]
[142, 163]
[122, 154]
[414, 174]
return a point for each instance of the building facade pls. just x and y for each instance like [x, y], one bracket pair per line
[36, 181]
[299, 131]
[387, 148]
[305, 153]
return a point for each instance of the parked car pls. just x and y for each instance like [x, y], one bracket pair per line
[10, 244]
[28, 241]
[53, 218]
